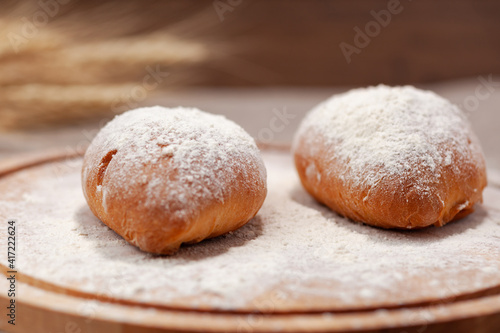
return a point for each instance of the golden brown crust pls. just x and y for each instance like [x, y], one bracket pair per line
[162, 177]
[393, 202]
[155, 229]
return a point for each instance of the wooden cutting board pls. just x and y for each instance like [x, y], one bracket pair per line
[296, 267]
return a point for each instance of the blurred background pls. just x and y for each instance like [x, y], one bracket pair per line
[68, 66]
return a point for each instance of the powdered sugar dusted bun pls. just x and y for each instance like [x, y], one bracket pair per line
[160, 177]
[393, 157]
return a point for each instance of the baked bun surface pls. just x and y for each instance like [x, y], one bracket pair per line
[161, 177]
[392, 157]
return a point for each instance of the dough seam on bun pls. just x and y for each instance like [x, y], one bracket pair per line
[161, 177]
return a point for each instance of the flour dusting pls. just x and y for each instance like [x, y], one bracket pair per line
[383, 131]
[202, 148]
[295, 255]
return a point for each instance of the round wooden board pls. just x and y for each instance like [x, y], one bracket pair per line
[43, 311]
[50, 308]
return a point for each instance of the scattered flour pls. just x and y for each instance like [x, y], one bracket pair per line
[295, 255]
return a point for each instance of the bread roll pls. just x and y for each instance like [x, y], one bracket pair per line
[392, 157]
[161, 177]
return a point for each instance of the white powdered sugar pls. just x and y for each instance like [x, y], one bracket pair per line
[386, 131]
[295, 255]
[202, 148]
